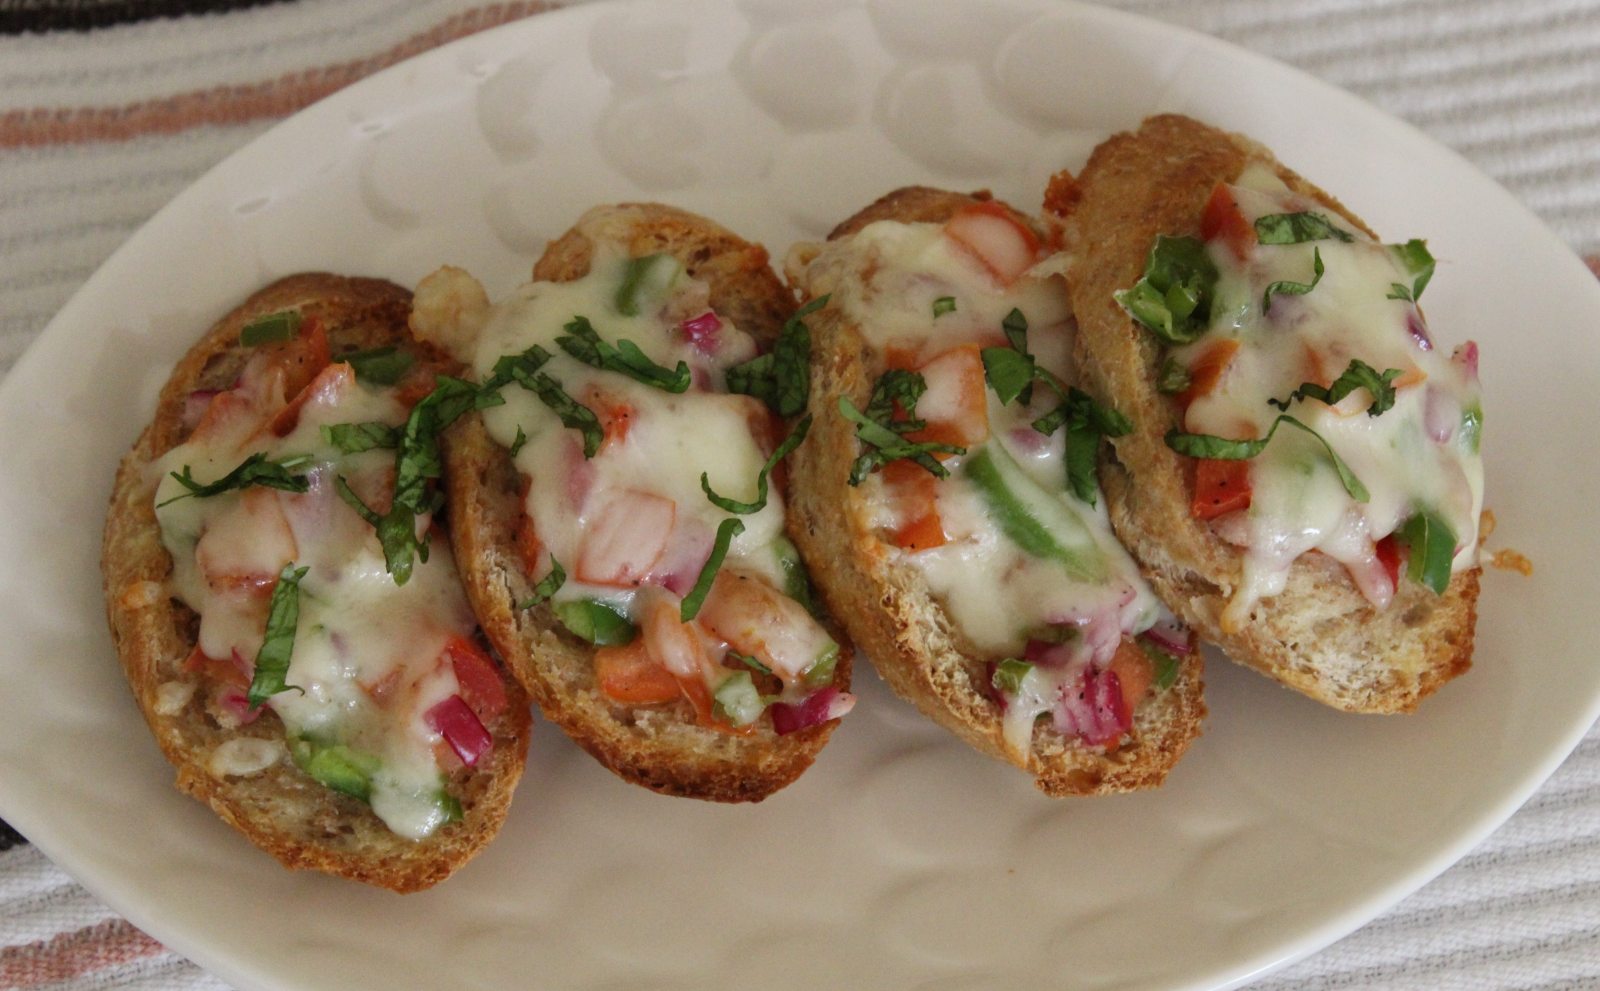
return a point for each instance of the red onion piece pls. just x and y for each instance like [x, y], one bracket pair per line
[456, 722]
[195, 405]
[1419, 331]
[1095, 710]
[1467, 357]
[234, 702]
[819, 707]
[1170, 635]
[702, 331]
[1440, 414]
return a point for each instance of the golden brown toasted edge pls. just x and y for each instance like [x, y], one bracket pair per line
[1320, 636]
[283, 811]
[885, 604]
[659, 747]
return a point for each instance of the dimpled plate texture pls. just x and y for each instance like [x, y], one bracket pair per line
[902, 860]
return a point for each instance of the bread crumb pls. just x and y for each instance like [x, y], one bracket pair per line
[1510, 560]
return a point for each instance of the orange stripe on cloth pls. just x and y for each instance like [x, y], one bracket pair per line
[73, 954]
[238, 104]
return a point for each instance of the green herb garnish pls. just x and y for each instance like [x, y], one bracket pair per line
[943, 305]
[1008, 675]
[584, 343]
[257, 469]
[272, 660]
[1415, 258]
[1286, 288]
[1359, 375]
[781, 378]
[548, 585]
[1295, 228]
[790, 442]
[597, 622]
[1165, 664]
[1223, 449]
[726, 531]
[517, 441]
[353, 438]
[885, 444]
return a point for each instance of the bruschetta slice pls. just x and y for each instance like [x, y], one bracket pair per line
[284, 607]
[1303, 480]
[947, 499]
[621, 511]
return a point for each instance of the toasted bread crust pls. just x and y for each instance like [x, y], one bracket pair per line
[282, 810]
[1320, 636]
[659, 747]
[885, 603]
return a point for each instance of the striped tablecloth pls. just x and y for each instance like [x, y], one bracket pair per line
[119, 105]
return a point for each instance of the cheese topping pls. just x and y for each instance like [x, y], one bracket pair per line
[1020, 565]
[1420, 456]
[369, 657]
[628, 520]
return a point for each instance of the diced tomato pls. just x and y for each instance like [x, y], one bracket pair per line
[420, 380]
[1207, 371]
[1391, 556]
[478, 678]
[615, 412]
[1220, 487]
[752, 617]
[955, 404]
[1134, 672]
[303, 358]
[1223, 221]
[629, 674]
[625, 538]
[914, 493]
[333, 382]
[246, 546]
[461, 728]
[994, 238]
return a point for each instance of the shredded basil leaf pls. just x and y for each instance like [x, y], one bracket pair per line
[1294, 228]
[517, 441]
[790, 442]
[379, 366]
[257, 469]
[1010, 373]
[1173, 298]
[584, 343]
[506, 367]
[573, 414]
[1086, 422]
[353, 438]
[943, 305]
[726, 531]
[1015, 326]
[782, 377]
[1286, 288]
[271, 329]
[1223, 449]
[1397, 291]
[886, 444]
[548, 585]
[750, 662]
[1008, 675]
[1359, 375]
[1432, 550]
[1415, 258]
[272, 660]
[1173, 377]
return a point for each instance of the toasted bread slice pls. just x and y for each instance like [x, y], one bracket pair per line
[887, 604]
[279, 807]
[662, 746]
[1320, 635]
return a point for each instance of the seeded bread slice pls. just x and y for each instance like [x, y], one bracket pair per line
[281, 809]
[1320, 636]
[657, 746]
[885, 603]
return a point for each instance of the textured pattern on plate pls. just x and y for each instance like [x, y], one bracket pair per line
[902, 859]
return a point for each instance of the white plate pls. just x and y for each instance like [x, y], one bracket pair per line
[902, 859]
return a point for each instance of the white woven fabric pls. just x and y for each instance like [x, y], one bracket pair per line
[1515, 87]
